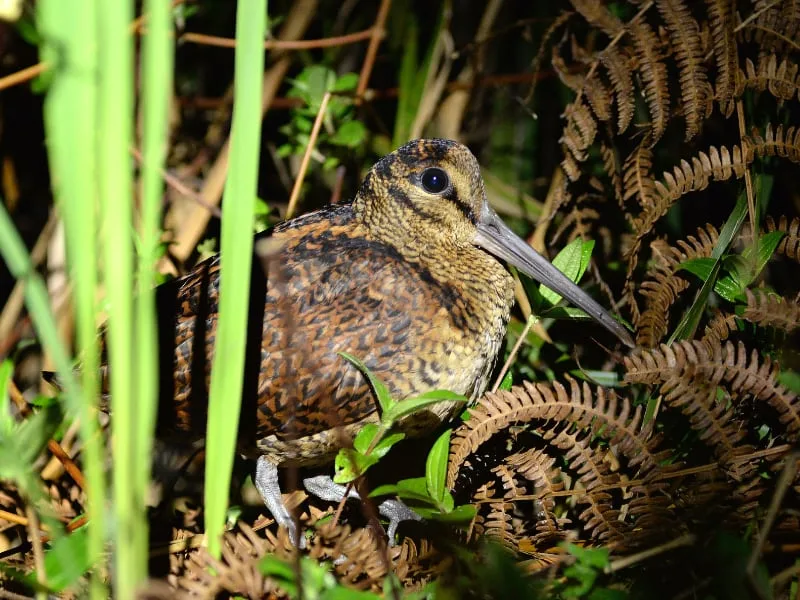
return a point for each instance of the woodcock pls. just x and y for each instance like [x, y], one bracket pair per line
[409, 278]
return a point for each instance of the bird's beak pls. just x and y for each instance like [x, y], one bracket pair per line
[495, 237]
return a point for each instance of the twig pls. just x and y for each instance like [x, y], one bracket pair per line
[23, 75]
[755, 15]
[748, 180]
[513, 354]
[179, 186]
[785, 480]
[331, 42]
[312, 140]
[36, 543]
[622, 563]
[372, 49]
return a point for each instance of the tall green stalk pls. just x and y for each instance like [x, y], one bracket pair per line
[156, 81]
[70, 112]
[227, 374]
[116, 201]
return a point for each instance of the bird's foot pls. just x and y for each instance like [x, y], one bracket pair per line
[395, 511]
[268, 485]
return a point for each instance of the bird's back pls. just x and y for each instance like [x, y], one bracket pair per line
[325, 286]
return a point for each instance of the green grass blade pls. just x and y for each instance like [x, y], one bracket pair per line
[157, 62]
[686, 328]
[227, 372]
[70, 114]
[115, 182]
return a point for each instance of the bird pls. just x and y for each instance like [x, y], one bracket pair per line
[410, 277]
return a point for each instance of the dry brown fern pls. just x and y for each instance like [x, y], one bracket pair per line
[790, 244]
[598, 15]
[780, 79]
[740, 373]
[618, 66]
[718, 328]
[685, 38]
[638, 177]
[357, 559]
[664, 283]
[771, 310]
[654, 76]
[721, 13]
[718, 165]
[777, 142]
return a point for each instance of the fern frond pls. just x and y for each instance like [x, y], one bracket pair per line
[692, 363]
[725, 51]
[777, 142]
[718, 165]
[638, 175]
[618, 65]
[779, 78]
[685, 39]
[654, 76]
[597, 14]
[663, 284]
[771, 310]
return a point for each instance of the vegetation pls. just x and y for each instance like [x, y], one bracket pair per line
[655, 142]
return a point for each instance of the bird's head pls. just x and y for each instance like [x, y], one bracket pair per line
[430, 192]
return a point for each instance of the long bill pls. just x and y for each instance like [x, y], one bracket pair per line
[495, 237]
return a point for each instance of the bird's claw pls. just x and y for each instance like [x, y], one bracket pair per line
[268, 485]
[323, 487]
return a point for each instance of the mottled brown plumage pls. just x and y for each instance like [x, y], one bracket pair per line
[400, 278]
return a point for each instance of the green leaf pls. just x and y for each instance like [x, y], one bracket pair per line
[689, 322]
[508, 381]
[767, 244]
[349, 465]
[67, 560]
[436, 467]
[460, 514]
[412, 405]
[380, 389]
[386, 443]
[364, 438]
[729, 288]
[350, 134]
[346, 83]
[409, 489]
[702, 267]
[569, 261]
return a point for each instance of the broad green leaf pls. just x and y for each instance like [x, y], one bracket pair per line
[386, 443]
[381, 391]
[767, 244]
[460, 514]
[436, 467]
[569, 261]
[349, 465]
[364, 438]
[702, 267]
[412, 405]
[508, 381]
[350, 134]
[345, 83]
[67, 560]
[729, 288]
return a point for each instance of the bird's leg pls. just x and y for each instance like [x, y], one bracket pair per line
[396, 511]
[268, 485]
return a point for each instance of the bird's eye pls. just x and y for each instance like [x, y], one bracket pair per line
[434, 180]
